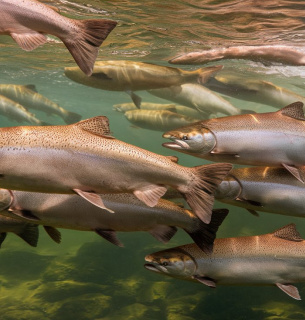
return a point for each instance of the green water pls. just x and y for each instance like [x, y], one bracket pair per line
[86, 277]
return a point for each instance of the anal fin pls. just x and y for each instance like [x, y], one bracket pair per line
[92, 198]
[289, 289]
[294, 171]
[150, 194]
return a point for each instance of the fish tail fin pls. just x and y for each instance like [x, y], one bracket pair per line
[200, 193]
[72, 117]
[204, 234]
[84, 47]
[206, 73]
[30, 234]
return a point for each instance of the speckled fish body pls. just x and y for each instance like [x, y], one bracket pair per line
[28, 21]
[16, 111]
[277, 258]
[266, 139]
[124, 75]
[264, 54]
[123, 107]
[160, 120]
[259, 91]
[85, 159]
[197, 97]
[34, 100]
[267, 189]
[130, 214]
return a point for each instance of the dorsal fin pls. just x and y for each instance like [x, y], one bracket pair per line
[53, 8]
[294, 110]
[288, 232]
[97, 125]
[31, 87]
[173, 158]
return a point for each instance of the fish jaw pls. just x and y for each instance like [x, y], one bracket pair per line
[192, 139]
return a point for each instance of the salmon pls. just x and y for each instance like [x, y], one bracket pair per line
[29, 21]
[84, 158]
[131, 214]
[262, 139]
[276, 258]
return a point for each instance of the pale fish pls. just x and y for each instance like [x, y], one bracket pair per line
[262, 139]
[131, 214]
[265, 54]
[266, 189]
[130, 76]
[160, 120]
[276, 258]
[15, 111]
[254, 90]
[199, 98]
[29, 21]
[84, 158]
[31, 99]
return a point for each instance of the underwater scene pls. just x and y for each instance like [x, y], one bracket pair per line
[187, 101]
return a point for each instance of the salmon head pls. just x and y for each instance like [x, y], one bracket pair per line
[174, 262]
[6, 199]
[191, 139]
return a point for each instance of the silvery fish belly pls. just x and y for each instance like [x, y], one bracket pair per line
[277, 259]
[84, 158]
[267, 189]
[266, 139]
[130, 214]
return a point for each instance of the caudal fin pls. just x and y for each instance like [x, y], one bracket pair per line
[204, 234]
[200, 195]
[85, 45]
[72, 117]
[207, 72]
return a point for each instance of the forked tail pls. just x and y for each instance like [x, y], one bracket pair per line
[84, 46]
[200, 194]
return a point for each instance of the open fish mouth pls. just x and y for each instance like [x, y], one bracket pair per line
[175, 144]
[151, 267]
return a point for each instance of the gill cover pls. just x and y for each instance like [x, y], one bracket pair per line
[229, 189]
[6, 199]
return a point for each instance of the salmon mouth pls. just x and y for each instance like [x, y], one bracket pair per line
[176, 144]
[151, 267]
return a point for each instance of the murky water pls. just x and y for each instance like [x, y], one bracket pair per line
[86, 277]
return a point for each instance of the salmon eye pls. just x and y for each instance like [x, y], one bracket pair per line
[164, 264]
[184, 137]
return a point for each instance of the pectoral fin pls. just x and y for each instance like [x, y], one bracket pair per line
[30, 234]
[294, 171]
[2, 237]
[205, 280]
[253, 212]
[110, 236]
[163, 233]
[291, 290]
[93, 198]
[30, 40]
[23, 213]
[151, 194]
[54, 234]
[135, 98]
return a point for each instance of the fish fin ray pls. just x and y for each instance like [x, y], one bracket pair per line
[200, 194]
[207, 72]
[24, 213]
[288, 232]
[294, 171]
[205, 280]
[150, 194]
[93, 198]
[30, 40]
[163, 233]
[2, 237]
[85, 44]
[54, 234]
[137, 100]
[110, 236]
[97, 125]
[204, 234]
[289, 289]
[294, 110]
[30, 234]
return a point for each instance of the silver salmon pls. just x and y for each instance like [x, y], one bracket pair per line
[265, 54]
[160, 120]
[276, 258]
[84, 158]
[29, 21]
[15, 111]
[31, 99]
[130, 76]
[131, 214]
[263, 139]
[266, 189]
